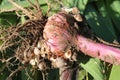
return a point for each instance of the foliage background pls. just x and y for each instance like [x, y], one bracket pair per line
[103, 16]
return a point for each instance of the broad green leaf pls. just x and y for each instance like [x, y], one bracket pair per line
[53, 74]
[22, 19]
[92, 0]
[93, 67]
[1, 1]
[99, 23]
[23, 3]
[3, 71]
[8, 19]
[81, 4]
[114, 12]
[30, 73]
[24, 75]
[82, 74]
[69, 3]
[115, 73]
[105, 15]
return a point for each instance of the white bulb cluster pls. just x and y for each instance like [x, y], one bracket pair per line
[42, 53]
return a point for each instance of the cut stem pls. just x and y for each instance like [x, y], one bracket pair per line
[104, 52]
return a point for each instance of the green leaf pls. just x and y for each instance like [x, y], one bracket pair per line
[114, 12]
[24, 75]
[3, 71]
[115, 73]
[1, 1]
[81, 4]
[53, 74]
[92, 0]
[22, 19]
[82, 74]
[69, 3]
[105, 15]
[99, 23]
[23, 3]
[93, 67]
[8, 18]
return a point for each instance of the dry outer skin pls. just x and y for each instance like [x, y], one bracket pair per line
[58, 35]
